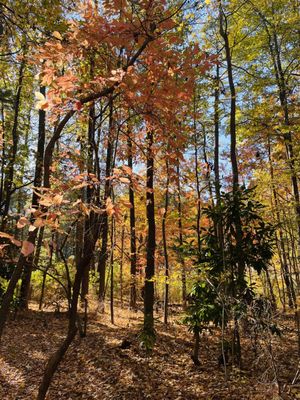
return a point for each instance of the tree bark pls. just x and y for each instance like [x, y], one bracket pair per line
[180, 238]
[122, 261]
[217, 135]
[151, 243]
[198, 220]
[133, 256]
[104, 223]
[165, 247]
[112, 247]
[89, 190]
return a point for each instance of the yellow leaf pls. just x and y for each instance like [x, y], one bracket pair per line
[57, 35]
[39, 96]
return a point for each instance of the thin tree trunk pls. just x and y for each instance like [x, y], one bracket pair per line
[104, 228]
[133, 256]
[198, 228]
[44, 279]
[207, 174]
[89, 190]
[217, 135]
[3, 151]
[271, 291]
[166, 256]
[151, 244]
[112, 246]
[280, 294]
[121, 261]
[180, 239]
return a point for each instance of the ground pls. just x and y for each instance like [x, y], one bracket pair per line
[97, 368]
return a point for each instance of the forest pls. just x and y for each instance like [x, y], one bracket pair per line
[149, 199]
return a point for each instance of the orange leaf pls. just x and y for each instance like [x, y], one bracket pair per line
[5, 235]
[109, 207]
[22, 222]
[39, 222]
[124, 180]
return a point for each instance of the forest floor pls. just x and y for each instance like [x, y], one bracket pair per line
[97, 368]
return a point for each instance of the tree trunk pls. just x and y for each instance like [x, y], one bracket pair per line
[89, 190]
[121, 261]
[104, 228]
[217, 135]
[44, 279]
[148, 329]
[112, 247]
[180, 238]
[198, 220]
[166, 256]
[133, 258]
